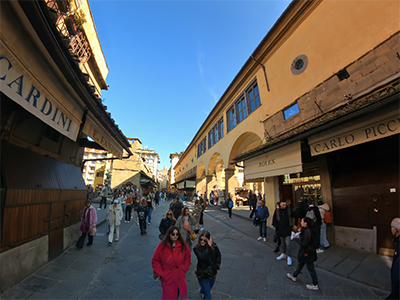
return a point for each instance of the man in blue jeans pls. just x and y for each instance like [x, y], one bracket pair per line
[262, 214]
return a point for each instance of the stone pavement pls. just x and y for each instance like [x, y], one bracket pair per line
[361, 266]
[249, 268]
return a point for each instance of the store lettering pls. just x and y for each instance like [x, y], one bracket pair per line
[266, 163]
[334, 143]
[381, 129]
[34, 97]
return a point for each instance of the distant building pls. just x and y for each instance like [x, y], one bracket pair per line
[137, 170]
[163, 180]
[93, 171]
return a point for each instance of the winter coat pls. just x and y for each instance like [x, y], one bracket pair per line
[142, 211]
[322, 209]
[207, 258]
[395, 272]
[307, 250]
[115, 214]
[176, 208]
[282, 221]
[180, 224]
[317, 219]
[165, 224]
[262, 213]
[171, 265]
[197, 212]
[88, 219]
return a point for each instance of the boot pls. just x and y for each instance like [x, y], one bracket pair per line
[276, 250]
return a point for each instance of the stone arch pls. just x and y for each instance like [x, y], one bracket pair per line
[245, 142]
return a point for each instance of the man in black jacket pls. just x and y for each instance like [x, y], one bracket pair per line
[283, 223]
[395, 270]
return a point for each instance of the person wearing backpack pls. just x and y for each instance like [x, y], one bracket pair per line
[142, 212]
[323, 208]
[229, 205]
[313, 214]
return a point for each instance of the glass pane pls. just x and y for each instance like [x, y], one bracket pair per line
[256, 90]
[251, 94]
[252, 106]
[258, 102]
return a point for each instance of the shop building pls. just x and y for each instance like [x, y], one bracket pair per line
[314, 113]
[52, 71]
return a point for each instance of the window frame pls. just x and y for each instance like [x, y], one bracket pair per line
[216, 133]
[234, 107]
[201, 147]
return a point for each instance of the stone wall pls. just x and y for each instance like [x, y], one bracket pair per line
[18, 263]
[374, 69]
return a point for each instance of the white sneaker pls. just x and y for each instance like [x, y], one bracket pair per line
[290, 276]
[312, 287]
[264, 239]
[289, 261]
[259, 238]
[282, 256]
[99, 208]
[319, 250]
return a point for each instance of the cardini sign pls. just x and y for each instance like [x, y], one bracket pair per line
[21, 86]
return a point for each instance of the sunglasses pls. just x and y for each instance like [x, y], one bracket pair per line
[204, 240]
[169, 214]
[174, 234]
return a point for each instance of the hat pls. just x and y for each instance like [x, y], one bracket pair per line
[88, 200]
[143, 198]
[115, 201]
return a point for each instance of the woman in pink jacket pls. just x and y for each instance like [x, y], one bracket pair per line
[171, 260]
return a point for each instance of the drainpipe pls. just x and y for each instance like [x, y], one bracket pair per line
[265, 73]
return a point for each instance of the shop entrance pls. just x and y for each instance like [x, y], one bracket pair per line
[366, 188]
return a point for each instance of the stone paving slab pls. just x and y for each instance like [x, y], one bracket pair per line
[249, 269]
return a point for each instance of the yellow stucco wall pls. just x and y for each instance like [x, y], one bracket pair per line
[334, 35]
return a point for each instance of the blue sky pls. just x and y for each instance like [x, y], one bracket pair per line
[170, 62]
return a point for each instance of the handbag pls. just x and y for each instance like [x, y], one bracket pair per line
[193, 235]
[275, 239]
[93, 230]
[161, 236]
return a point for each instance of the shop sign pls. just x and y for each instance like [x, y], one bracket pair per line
[366, 133]
[21, 86]
[100, 137]
[285, 160]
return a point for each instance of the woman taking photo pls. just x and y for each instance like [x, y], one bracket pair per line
[208, 263]
[171, 260]
[166, 223]
[307, 253]
[185, 224]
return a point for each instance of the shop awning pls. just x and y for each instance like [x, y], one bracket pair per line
[285, 160]
[101, 137]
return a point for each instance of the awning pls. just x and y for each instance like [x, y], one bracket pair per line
[285, 160]
[43, 98]
[101, 137]
[380, 124]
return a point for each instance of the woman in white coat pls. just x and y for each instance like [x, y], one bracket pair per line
[114, 217]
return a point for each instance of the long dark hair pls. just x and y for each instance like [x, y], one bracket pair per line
[167, 239]
[207, 235]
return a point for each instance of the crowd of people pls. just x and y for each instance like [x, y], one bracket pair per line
[305, 225]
